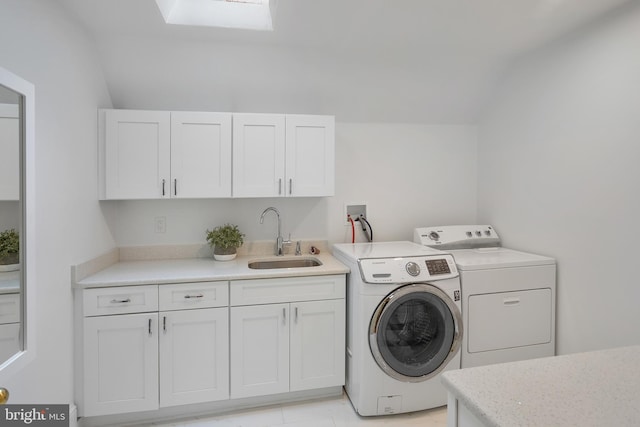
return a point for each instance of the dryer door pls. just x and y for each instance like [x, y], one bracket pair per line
[414, 332]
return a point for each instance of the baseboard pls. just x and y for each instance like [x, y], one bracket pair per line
[206, 409]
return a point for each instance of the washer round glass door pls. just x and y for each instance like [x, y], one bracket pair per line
[414, 332]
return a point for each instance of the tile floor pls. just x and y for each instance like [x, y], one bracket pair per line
[330, 412]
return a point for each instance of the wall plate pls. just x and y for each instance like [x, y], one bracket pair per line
[355, 209]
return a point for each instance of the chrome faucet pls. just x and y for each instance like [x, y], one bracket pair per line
[279, 241]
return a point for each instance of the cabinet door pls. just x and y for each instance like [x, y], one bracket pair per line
[258, 155]
[120, 364]
[137, 150]
[10, 308]
[194, 356]
[9, 340]
[9, 152]
[200, 155]
[259, 350]
[310, 160]
[317, 344]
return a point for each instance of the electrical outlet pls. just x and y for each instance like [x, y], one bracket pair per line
[355, 210]
[160, 224]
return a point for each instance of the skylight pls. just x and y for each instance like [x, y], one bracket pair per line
[244, 14]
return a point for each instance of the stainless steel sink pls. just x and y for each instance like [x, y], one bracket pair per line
[284, 263]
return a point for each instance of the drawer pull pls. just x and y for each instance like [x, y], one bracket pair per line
[284, 316]
[194, 296]
[296, 314]
[149, 327]
[511, 301]
[120, 301]
[164, 324]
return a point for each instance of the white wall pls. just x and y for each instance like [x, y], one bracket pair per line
[39, 43]
[409, 176]
[207, 74]
[558, 175]
[9, 214]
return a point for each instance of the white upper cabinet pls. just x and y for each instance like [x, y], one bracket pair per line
[310, 154]
[277, 155]
[137, 154]
[159, 154]
[200, 155]
[9, 152]
[258, 155]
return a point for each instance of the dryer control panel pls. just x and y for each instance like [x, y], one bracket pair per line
[457, 236]
[407, 269]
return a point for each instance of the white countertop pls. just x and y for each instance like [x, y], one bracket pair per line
[9, 282]
[202, 269]
[599, 388]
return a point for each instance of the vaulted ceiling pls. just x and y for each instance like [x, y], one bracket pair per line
[425, 61]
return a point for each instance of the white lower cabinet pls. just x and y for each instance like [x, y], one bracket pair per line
[194, 356]
[260, 350]
[282, 347]
[9, 325]
[317, 344]
[144, 361]
[120, 363]
[154, 346]
[9, 340]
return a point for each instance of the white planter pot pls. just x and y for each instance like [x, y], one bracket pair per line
[220, 257]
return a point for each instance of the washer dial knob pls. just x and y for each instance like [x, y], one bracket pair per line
[412, 268]
[434, 236]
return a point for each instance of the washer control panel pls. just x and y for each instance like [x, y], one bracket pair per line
[408, 269]
[412, 268]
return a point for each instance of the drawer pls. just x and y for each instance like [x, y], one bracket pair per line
[9, 308]
[120, 300]
[290, 289]
[182, 296]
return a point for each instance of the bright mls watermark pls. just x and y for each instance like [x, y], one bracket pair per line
[35, 415]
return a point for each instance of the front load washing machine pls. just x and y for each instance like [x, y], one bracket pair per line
[404, 325]
[508, 296]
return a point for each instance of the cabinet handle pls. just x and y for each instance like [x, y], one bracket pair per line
[149, 327]
[194, 296]
[120, 301]
[511, 301]
[284, 316]
[163, 182]
[164, 324]
[296, 314]
[175, 186]
[280, 186]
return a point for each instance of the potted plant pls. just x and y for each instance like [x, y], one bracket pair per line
[9, 250]
[225, 240]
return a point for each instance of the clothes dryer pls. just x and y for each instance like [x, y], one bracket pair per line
[404, 325]
[508, 296]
